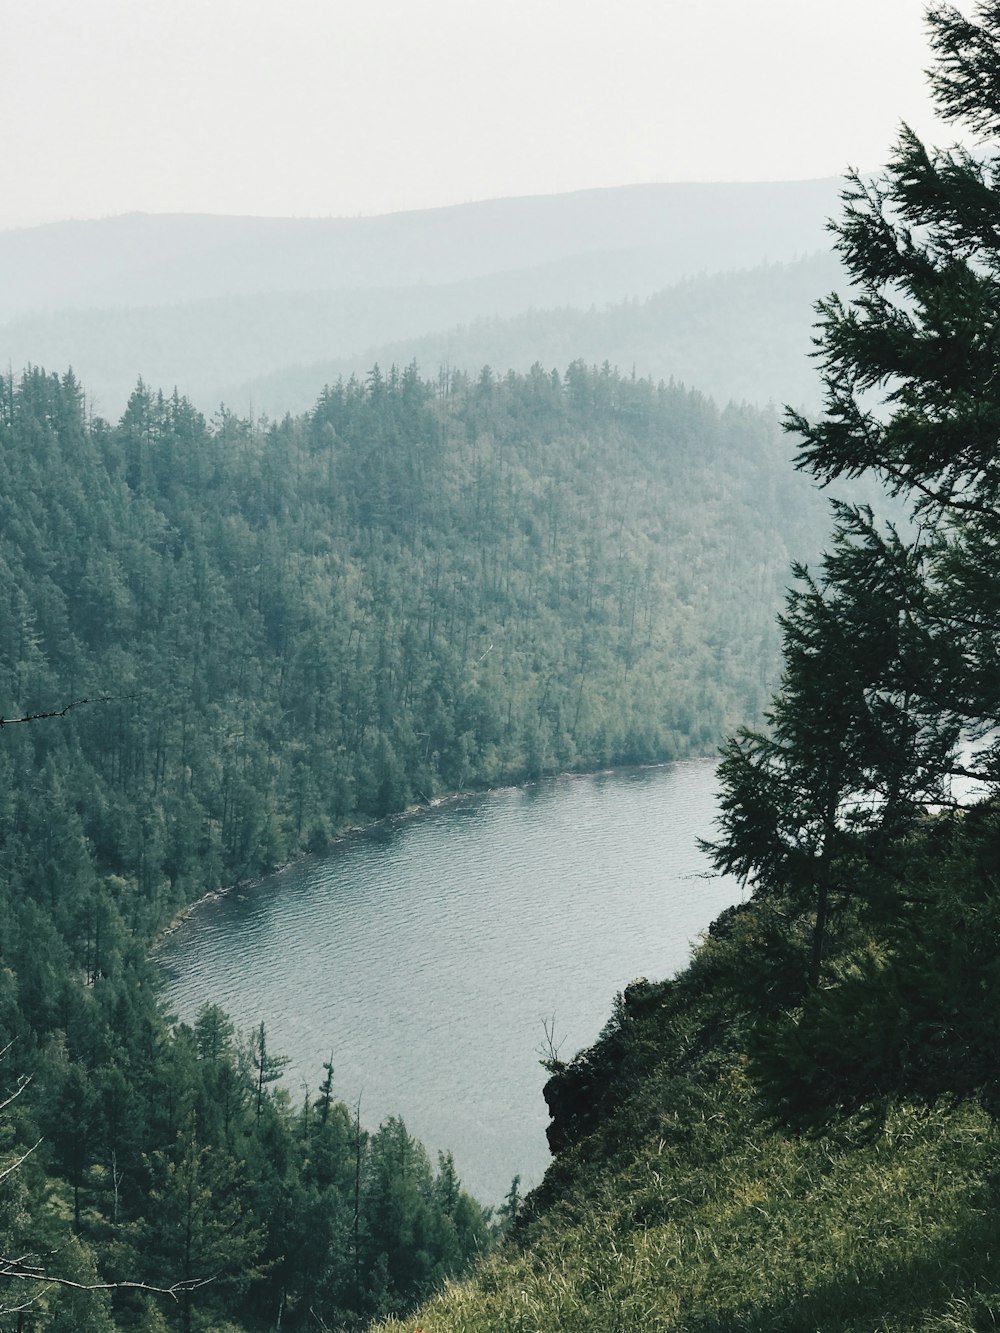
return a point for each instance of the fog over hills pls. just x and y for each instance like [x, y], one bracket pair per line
[742, 336]
[234, 309]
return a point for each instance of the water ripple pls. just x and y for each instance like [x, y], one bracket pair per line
[427, 953]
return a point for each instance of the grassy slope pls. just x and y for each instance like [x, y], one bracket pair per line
[734, 1227]
[680, 1206]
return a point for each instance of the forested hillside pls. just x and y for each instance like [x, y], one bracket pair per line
[253, 635]
[414, 589]
[800, 1130]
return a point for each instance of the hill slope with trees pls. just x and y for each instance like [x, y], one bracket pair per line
[236, 639]
[800, 1131]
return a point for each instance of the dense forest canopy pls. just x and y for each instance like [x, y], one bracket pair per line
[285, 629]
[417, 587]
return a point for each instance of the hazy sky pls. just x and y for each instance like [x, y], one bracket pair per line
[324, 107]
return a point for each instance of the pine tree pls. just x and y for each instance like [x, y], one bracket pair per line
[265, 1067]
[199, 1228]
[890, 701]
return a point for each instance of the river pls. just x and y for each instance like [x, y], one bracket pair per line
[426, 954]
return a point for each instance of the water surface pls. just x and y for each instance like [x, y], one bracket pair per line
[426, 954]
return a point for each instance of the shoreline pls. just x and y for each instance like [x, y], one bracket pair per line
[417, 947]
[399, 816]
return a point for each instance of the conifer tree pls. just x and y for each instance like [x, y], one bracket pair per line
[890, 700]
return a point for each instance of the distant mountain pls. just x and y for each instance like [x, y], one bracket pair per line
[741, 337]
[267, 310]
[142, 259]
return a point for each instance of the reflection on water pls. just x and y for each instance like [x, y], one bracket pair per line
[425, 954]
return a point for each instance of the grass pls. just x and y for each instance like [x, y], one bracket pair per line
[777, 1234]
[679, 1204]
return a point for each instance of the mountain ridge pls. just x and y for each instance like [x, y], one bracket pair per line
[138, 258]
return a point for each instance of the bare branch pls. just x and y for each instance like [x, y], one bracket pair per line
[548, 1050]
[9, 1171]
[975, 775]
[22, 1270]
[61, 712]
[22, 1083]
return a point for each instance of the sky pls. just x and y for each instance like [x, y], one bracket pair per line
[344, 107]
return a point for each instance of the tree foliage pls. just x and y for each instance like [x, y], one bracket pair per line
[284, 629]
[418, 587]
[867, 806]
